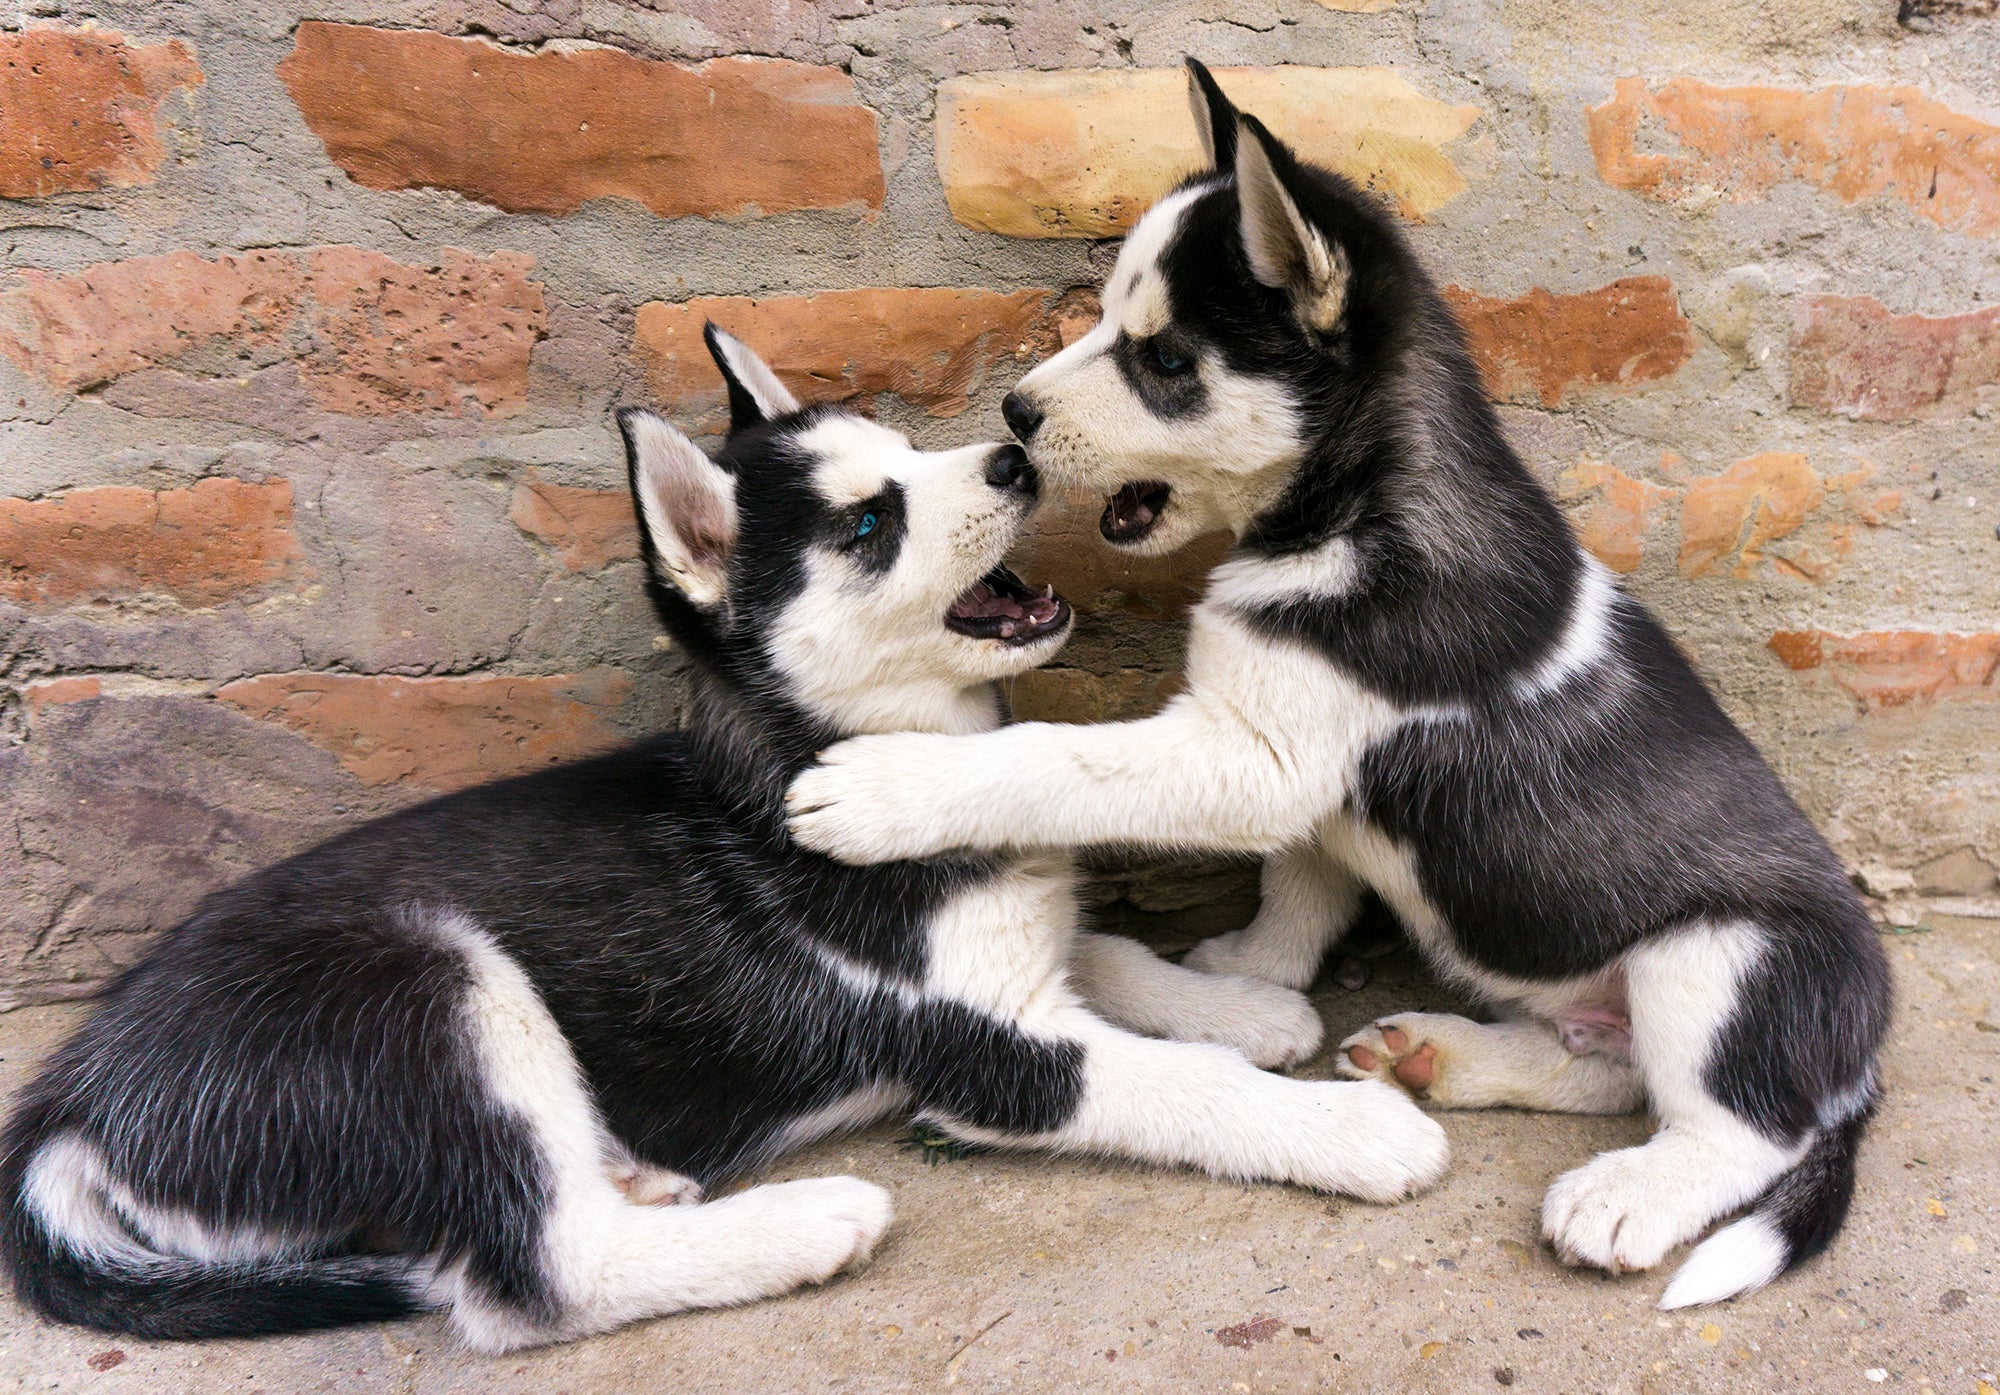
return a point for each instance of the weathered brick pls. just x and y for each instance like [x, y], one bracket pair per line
[54, 692]
[1616, 511]
[1084, 152]
[1541, 346]
[931, 347]
[590, 526]
[1898, 668]
[442, 733]
[1076, 695]
[1063, 548]
[81, 109]
[1851, 355]
[1731, 519]
[366, 335]
[1855, 142]
[547, 132]
[202, 545]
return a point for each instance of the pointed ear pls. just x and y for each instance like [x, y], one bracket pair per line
[1214, 116]
[755, 394]
[1286, 252]
[686, 505]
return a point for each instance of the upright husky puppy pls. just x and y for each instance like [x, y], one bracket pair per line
[1408, 677]
[444, 1059]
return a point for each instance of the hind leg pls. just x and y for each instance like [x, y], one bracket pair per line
[1138, 990]
[1309, 901]
[1626, 1209]
[1456, 1063]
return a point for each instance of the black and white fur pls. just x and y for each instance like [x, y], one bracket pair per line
[463, 1056]
[1407, 677]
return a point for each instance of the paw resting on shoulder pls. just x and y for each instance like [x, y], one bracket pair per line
[876, 799]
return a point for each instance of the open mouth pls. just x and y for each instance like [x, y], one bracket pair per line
[1001, 606]
[1131, 513]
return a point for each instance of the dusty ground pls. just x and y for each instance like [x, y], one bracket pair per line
[1025, 1273]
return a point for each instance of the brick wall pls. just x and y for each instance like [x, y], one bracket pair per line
[311, 321]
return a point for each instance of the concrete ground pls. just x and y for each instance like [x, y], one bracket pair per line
[1029, 1273]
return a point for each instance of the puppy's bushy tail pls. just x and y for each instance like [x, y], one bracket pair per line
[73, 1259]
[1793, 1221]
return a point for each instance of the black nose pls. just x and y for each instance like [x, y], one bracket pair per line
[1022, 419]
[1008, 468]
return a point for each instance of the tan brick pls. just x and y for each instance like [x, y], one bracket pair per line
[590, 526]
[81, 109]
[1075, 695]
[1616, 512]
[930, 347]
[547, 132]
[1731, 519]
[443, 733]
[1541, 346]
[1084, 152]
[368, 336]
[1688, 138]
[1899, 668]
[220, 538]
[1850, 355]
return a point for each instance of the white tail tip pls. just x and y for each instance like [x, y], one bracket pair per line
[1734, 1260]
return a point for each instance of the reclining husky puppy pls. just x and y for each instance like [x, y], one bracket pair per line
[442, 1060]
[1408, 677]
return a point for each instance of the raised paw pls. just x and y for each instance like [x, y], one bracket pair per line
[1366, 1141]
[1396, 1050]
[873, 799]
[646, 1185]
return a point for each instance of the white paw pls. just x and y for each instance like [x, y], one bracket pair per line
[1273, 1026]
[874, 799]
[820, 1226]
[1622, 1211]
[1402, 1051]
[1238, 952]
[1365, 1140]
[645, 1185]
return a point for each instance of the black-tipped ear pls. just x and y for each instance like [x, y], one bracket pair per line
[1284, 249]
[1214, 116]
[686, 505]
[755, 394]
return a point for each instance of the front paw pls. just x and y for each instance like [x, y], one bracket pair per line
[872, 799]
[1275, 1027]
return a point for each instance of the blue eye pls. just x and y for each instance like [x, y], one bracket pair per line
[1167, 361]
[866, 525]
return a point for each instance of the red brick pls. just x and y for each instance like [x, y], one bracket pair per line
[1541, 346]
[221, 538]
[442, 733]
[1899, 668]
[1850, 355]
[1854, 142]
[54, 692]
[590, 526]
[367, 335]
[930, 347]
[547, 132]
[81, 109]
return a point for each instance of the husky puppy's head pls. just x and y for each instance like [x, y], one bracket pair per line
[820, 561]
[1240, 322]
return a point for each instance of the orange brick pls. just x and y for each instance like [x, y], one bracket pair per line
[1542, 346]
[1617, 511]
[54, 692]
[590, 526]
[1898, 668]
[1850, 355]
[81, 109]
[369, 336]
[1731, 519]
[547, 132]
[443, 733]
[221, 538]
[930, 347]
[1854, 142]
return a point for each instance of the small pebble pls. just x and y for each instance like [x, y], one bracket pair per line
[1351, 973]
[1503, 1375]
[1529, 1333]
